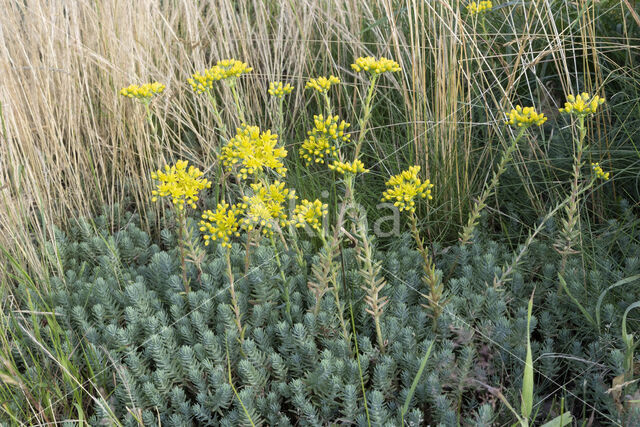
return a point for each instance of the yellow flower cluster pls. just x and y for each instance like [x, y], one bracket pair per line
[582, 104]
[266, 206]
[221, 224]
[479, 7]
[143, 93]
[278, 89]
[180, 183]
[251, 151]
[599, 172]
[224, 69]
[405, 187]
[204, 82]
[322, 84]
[348, 167]
[324, 138]
[309, 213]
[525, 117]
[232, 68]
[375, 66]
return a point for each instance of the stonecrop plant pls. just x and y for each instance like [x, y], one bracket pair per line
[182, 184]
[476, 8]
[291, 314]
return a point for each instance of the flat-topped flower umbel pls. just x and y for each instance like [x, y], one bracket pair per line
[405, 187]
[322, 84]
[251, 151]
[180, 183]
[582, 105]
[279, 89]
[309, 213]
[476, 8]
[351, 168]
[222, 224]
[143, 93]
[375, 66]
[525, 117]
[324, 139]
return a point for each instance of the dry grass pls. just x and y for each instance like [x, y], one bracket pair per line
[71, 144]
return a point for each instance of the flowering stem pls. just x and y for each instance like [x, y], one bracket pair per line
[182, 220]
[467, 231]
[569, 232]
[366, 114]
[232, 291]
[236, 99]
[327, 103]
[436, 288]
[280, 117]
[218, 117]
[285, 283]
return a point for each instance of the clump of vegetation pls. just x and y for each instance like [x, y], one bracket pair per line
[259, 286]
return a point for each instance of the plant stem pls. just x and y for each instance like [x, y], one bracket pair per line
[364, 120]
[216, 113]
[232, 291]
[436, 288]
[467, 231]
[285, 283]
[236, 99]
[181, 232]
[570, 229]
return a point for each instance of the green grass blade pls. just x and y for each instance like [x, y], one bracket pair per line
[414, 384]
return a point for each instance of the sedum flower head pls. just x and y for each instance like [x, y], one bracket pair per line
[310, 213]
[143, 93]
[582, 104]
[180, 183]
[525, 117]
[322, 84]
[279, 90]
[348, 167]
[223, 224]
[225, 69]
[322, 141]
[375, 66]
[476, 8]
[251, 151]
[266, 207]
[232, 68]
[405, 187]
[599, 172]
[201, 82]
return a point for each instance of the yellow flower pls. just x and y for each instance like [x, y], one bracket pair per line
[599, 172]
[322, 84]
[223, 70]
[525, 117]
[479, 7]
[179, 183]
[582, 104]
[250, 151]
[143, 93]
[279, 90]
[267, 206]
[309, 213]
[405, 187]
[232, 68]
[221, 224]
[324, 139]
[348, 167]
[204, 82]
[375, 66]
